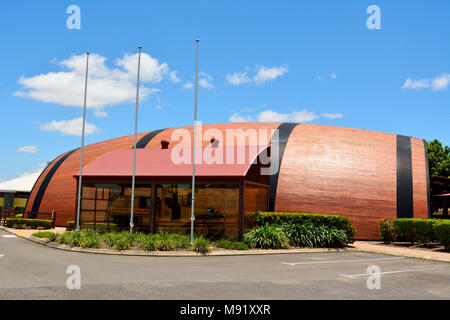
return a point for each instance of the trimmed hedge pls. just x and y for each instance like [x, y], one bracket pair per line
[33, 223]
[414, 230]
[442, 232]
[386, 230]
[316, 220]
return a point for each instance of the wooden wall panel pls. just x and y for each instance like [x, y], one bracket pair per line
[419, 174]
[344, 171]
[62, 189]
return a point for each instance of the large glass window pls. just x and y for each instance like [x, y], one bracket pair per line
[256, 199]
[216, 209]
[108, 206]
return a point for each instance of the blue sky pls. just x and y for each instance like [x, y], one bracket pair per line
[308, 61]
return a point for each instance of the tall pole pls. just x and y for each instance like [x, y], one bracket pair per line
[82, 144]
[193, 145]
[135, 138]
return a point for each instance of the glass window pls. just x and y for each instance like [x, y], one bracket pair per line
[216, 209]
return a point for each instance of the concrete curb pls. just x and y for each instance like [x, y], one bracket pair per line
[377, 247]
[180, 253]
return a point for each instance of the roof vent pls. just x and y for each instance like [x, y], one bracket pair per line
[214, 142]
[164, 144]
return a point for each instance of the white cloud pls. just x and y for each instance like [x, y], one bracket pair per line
[267, 74]
[236, 117]
[205, 81]
[106, 86]
[440, 83]
[273, 116]
[101, 114]
[238, 78]
[333, 76]
[31, 149]
[416, 84]
[295, 116]
[187, 85]
[332, 115]
[69, 127]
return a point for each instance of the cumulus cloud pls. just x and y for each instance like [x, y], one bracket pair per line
[187, 85]
[101, 114]
[238, 78]
[274, 116]
[333, 76]
[30, 149]
[416, 84]
[261, 76]
[268, 74]
[236, 117]
[332, 115]
[107, 86]
[205, 81]
[439, 83]
[69, 127]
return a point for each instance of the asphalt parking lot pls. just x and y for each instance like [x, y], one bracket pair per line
[32, 271]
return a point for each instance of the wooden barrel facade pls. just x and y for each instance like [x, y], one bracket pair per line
[361, 174]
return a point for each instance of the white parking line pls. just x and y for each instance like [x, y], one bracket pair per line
[387, 272]
[340, 261]
[8, 236]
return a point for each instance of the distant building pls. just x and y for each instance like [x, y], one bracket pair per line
[15, 193]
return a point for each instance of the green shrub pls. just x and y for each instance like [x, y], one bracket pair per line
[334, 238]
[51, 236]
[414, 230]
[90, 239]
[267, 237]
[147, 243]
[181, 241]
[33, 223]
[424, 229]
[63, 238]
[404, 229]
[120, 240]
[386, 230]
[317, 220]
[19, 215]
[201, 245]
[74, 238]
[442, 232]
[306, 235]
[233, 245]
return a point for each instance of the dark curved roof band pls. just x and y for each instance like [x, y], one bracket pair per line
[46, 181]
[142, 143]
[284, 131]
[405, 205]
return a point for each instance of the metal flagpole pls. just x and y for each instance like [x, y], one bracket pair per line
[135, 136]
[193, 147]
[82, 144]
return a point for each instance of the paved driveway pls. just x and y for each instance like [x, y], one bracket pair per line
[32, 271]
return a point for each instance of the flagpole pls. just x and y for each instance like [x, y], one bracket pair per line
[193, 147]
[135, 138]
[82, 144]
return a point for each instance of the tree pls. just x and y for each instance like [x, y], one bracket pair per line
[438, 159]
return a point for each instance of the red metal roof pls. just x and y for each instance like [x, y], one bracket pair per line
[158, 163]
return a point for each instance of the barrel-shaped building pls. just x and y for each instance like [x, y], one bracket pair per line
[363, 175]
